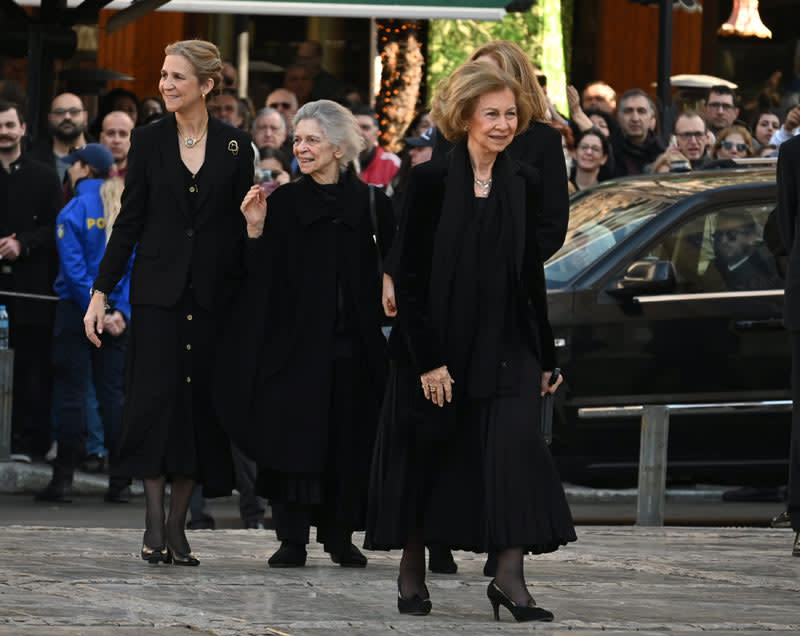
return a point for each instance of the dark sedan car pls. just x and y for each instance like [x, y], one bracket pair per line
[665, 292]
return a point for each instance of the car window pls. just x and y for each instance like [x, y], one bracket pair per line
[598, 222]
[722, 250]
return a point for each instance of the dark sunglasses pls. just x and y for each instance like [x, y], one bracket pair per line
[729, 145]
[277, 105]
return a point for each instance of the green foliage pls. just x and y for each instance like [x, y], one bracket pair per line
[450, 42]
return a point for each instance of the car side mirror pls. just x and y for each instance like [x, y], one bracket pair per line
[646, 277]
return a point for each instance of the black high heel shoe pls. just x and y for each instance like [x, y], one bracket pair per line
[416, 605]
[154, 555]
[521, 613]
[796, 546]
[180, 558]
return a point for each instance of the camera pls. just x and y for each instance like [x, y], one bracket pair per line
[263, 176]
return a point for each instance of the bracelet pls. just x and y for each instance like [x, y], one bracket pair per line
[106, 304]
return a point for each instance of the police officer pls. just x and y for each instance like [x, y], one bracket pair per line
[81, 241]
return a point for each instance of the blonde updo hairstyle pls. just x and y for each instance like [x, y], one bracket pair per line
[512, 59]
[204, 58]
[457, 97]
[338, 125]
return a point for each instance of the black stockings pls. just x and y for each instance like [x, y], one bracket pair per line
[154, 512]
[510, 576]
[178, 507]
[412, 569]
[181, 493]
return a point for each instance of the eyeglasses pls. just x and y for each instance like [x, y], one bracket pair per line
[729, 145]
[72, 112]
[730, 235]
[720, 105]
[597, 149]
[277, 105]
[690, 135]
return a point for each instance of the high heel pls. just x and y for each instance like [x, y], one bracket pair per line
[180, 558]
[416, 605]
[521, 613]
[796, 546]
[154, 555]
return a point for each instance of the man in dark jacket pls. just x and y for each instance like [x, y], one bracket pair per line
[30, 198]
[788, 212]
[639, 146]
[67, 122]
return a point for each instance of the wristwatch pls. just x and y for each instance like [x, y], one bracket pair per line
[106, 304]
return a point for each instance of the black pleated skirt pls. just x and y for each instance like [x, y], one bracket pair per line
[481, 480]
[169, 427]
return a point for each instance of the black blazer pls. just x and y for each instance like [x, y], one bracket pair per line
[788, 215]
[430, 250]
[172, 242]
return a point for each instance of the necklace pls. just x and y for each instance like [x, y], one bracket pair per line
[484, 185]
[190, 142]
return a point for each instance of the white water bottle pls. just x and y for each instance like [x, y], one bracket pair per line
[3, 327]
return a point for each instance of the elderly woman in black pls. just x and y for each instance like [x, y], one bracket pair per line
[460, 459]
[306, 366]
[187, 174]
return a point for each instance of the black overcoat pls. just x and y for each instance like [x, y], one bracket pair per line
[274, 370]
[433, 223]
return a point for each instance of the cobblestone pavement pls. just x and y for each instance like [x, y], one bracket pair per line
[61, 581]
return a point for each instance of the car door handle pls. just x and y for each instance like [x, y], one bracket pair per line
[768, 323]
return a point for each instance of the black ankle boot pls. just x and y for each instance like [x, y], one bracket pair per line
[440, 560]
[289, 555]
[350, 557]
[59, 490]
[490, 567]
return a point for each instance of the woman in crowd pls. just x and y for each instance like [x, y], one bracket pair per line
[767, 123]
[187, 174]
[460, 460]
[591, 154]
[304, 368]
[734, 142]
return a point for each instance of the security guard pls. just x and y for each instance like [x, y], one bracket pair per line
[81, 241]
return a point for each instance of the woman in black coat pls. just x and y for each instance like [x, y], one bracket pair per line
[305, 365]
[187, 174]
[460, 460]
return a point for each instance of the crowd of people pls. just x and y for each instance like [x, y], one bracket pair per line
[223, 275]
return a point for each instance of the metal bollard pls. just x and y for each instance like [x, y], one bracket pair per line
[6, 396]
[652, 466]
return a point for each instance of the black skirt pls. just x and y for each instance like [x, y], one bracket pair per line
[169, 427]
[485, 481]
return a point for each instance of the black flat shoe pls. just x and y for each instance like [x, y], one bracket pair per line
[289, 555]
[440, 560]
[154, 555]
[521, 613]
[796, 546]
[350, 558]
[414, 606]
[180, 558]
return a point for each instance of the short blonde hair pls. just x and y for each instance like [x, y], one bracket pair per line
[457, 96]
[512, 59]
[338, 124]
[204, 58]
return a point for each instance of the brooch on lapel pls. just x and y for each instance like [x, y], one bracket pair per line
[233, 147]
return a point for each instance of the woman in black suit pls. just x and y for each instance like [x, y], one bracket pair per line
[460, 459]
[187, 174]
[304, 369]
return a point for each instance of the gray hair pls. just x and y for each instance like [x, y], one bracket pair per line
[268, 111]
[338, 124]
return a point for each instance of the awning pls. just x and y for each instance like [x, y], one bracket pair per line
[401, 9]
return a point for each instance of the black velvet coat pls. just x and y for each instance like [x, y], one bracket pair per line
[275, 366]
[433, 223]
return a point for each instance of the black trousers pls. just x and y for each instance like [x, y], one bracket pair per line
[793, 505]
[293, 520]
